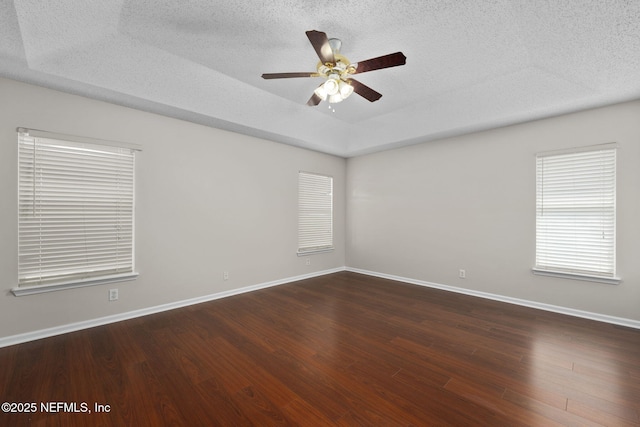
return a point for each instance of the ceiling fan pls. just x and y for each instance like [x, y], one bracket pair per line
[337, 71]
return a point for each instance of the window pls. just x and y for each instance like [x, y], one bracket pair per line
[315, 213]
[576, 214]
[75, 213]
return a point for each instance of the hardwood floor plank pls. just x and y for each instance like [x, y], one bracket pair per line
[221, 408]
[232, 359]
[342, 349]
[427, 402]
[370, 408]
[259, 408]
[302, 413]
[359, 419]
[151, 403]
[491, 396]
[551, 413]
[309, 383]
[579, 387]
[604, 417]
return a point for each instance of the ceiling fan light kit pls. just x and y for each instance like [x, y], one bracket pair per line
[336, 69]
[334, 89]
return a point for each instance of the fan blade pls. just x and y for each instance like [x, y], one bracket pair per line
[320, 43]
[364, 90]
[314, 100]
[386, 61]
[288, 75]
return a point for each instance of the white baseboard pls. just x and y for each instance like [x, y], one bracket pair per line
[532, 304]
[72, 327]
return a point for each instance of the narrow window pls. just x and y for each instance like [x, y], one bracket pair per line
[315, 213]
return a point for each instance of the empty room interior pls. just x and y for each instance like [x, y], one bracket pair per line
[317, 213]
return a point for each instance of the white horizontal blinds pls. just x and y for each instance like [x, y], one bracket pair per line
[315, 212]
[75, 211]
[576, 212]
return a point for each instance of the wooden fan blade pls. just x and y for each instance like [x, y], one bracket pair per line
[288, 75]
[386, 61]
[364, 90]
[314, 100]
[320, 43]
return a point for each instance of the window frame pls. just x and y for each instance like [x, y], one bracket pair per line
[66, 174]
[576, 217]
[315, 205]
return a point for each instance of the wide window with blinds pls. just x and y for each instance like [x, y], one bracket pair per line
[576, 214]
[315, 213]
[75, 213]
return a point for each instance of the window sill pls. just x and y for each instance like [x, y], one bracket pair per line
[20, 291]
[576, 276]
[314, 251]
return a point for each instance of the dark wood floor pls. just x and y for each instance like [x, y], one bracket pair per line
[343, 349]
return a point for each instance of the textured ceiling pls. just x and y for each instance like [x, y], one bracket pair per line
[471, 65]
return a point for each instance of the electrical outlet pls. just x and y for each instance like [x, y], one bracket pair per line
[113, 294]
[307, 261]
[462, 274]
[225, 275]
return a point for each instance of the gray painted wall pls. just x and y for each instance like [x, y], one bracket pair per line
[424, 212]
[208, 201]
